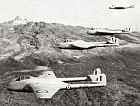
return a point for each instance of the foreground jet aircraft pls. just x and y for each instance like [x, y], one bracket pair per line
[80, 44]
[120, 7]
[108, 31]
[47, 84]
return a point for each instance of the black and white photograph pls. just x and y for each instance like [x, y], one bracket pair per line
[69, 53]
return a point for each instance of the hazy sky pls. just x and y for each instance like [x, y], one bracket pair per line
[88, 13]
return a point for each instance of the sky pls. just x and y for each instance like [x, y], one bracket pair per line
[86, 13]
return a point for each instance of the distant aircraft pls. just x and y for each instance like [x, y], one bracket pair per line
[80, 44]
[120, 7]
[47, 84]
[108, 31]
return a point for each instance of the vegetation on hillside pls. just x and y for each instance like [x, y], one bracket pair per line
[24, 47]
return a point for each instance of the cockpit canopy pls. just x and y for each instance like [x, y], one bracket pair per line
[23, 77]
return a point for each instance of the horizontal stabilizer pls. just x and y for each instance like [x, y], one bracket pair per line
[98, 78]
[95, 74]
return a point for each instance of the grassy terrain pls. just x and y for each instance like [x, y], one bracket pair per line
[39, 42]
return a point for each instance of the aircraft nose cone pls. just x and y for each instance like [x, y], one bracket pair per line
[14, 85]
[10, 86]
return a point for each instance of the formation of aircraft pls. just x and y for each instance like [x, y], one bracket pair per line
[47, 84]
[121, 7]
[108, 31]
[80, 44]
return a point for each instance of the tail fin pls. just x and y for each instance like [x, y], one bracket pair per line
[114, 40]
[132, 6]
[97, 77]
[101, 79]
[47, 74]
[97, 71]
[117, 41]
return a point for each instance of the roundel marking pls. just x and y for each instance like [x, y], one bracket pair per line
[41, 91]
[68, 87]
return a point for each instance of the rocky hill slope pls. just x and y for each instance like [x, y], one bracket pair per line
[32, 48]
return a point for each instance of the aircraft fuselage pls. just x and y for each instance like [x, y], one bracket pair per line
[61, 82]
[47, 84]
[121, 7]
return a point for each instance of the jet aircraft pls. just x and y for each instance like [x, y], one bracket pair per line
[47, 84]
[80, 44]
[121, 7]
[108, 31]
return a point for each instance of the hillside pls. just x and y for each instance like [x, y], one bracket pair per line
[31, 48]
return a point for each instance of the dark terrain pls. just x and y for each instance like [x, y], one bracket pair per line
[25, 47]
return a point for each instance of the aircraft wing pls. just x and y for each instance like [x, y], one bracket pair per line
[44, 91]
[76, 44]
